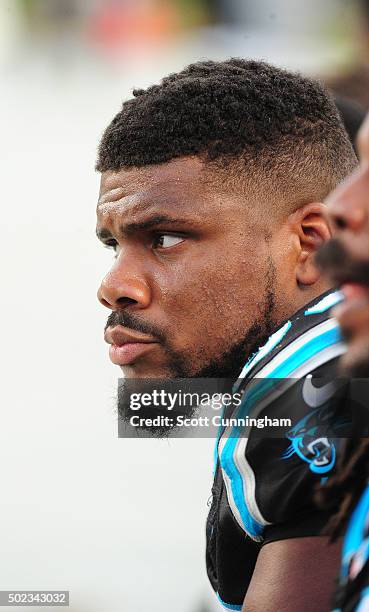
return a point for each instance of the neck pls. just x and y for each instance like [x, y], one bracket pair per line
[303, 296]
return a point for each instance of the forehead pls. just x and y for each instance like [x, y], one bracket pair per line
[125, 190]
[182, 190]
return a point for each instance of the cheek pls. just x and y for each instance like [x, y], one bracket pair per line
[213, 304]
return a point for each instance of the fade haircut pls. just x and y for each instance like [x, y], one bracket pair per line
[256, 125]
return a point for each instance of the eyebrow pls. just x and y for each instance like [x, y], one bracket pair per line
[139, 226]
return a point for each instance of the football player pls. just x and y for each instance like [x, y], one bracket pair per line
[212, 185]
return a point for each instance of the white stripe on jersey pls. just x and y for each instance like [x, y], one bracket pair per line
[287, 352]
[248, 481]
[235, 510]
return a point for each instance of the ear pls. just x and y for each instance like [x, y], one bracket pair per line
[310, 226]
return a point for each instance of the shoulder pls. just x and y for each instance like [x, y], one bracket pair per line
[311, 337]
[270, 478]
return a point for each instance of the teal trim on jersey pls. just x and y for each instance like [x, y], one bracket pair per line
[251, 526]
[364, 600]
[229, 606]
[215, 453]
[355, 531]
[292, 363]
[263, 351]
[307, 351]
[325, 303]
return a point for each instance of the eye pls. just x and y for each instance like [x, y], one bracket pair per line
[165, 241]
[111, 244]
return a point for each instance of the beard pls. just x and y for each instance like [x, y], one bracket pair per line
[218, 374]
[333, 259]
[226, 365]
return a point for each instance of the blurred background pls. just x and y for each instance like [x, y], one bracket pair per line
[120, 523]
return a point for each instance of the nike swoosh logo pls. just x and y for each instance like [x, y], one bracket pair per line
[317, 396]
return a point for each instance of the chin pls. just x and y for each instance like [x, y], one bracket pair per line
[144, 372]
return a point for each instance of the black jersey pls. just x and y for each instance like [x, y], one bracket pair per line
[263, 486]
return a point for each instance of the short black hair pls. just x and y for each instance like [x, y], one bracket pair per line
[232, 110]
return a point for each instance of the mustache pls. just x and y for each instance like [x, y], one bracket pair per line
[333, 259]
[131, 321]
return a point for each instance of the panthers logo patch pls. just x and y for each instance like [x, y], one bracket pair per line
[311, 439]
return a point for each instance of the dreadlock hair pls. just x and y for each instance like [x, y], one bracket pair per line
[245, 119]
[344, 490]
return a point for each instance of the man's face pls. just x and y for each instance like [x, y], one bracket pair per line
[346, 259]
[191, 286]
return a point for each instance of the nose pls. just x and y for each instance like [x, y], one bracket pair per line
[349, 211]
[124, 286]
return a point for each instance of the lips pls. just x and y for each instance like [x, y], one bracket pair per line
[355, 291]
[353, 313]
[126, 345]
[356, 300]
[341, 264]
